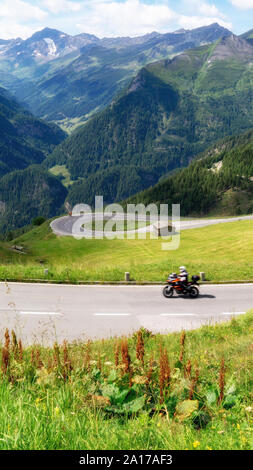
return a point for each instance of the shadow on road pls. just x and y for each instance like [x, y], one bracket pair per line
[201, 296]
[207, 296]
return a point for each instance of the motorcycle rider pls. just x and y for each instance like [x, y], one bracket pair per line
[183, 276]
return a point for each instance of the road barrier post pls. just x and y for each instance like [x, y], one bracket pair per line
[127, 277]
[202, 276]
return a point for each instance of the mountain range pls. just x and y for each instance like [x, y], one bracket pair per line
[170, 112]
[67, 78]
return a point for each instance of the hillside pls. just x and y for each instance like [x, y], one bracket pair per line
[173, 110]
[25, 194]
[220, 182]
[24, 139]
[67, 78]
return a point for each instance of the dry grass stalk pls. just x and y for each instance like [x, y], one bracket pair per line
[222, 380]
[164, 373]
[87, 356]
[126, 360]
[20, 350]
[99, 362]
[5, 360]
[116, 356]
[57, 360]
[7, 339]
[33, 358]
[67, 365]
[193, 384]
[39, 363]
[150, 371]
[188, 369]
[182, 342]
[140, 350]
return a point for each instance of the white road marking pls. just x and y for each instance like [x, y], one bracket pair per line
[111, 314]
[40, 313]
[178, 315]
[233, 313]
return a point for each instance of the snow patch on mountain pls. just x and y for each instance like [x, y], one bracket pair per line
[52, 49]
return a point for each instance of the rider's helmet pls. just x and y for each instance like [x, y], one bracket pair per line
[182, 268]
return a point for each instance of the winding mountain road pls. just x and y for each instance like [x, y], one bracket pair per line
[45, 313]
[64, 226]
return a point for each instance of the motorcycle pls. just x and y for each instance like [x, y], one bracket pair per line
[174, 285]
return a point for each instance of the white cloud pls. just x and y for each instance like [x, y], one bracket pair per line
[11, 30]
[133, 17]
[202, 8]
[190, 22]
[129, 18]
[19, 19]
[105, 17]
[242, 4]
[61, 6]
[20, 11]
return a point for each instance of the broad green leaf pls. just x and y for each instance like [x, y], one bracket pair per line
[135, 405]
[186, 408]
[112, 376]
[229, 402]
[211, 397]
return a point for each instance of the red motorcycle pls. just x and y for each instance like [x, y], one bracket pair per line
[175, 285]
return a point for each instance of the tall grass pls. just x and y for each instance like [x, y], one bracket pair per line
[180, 391]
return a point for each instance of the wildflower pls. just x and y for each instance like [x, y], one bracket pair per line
[249, 409]
[208, 448]
[238, 426]
[57, 410]
[196, 444]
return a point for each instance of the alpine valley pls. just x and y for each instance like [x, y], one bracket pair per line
[82, 116]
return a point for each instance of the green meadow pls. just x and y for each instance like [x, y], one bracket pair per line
[223, 252]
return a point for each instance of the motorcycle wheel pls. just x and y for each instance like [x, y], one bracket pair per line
[194, 292]
[168, 292]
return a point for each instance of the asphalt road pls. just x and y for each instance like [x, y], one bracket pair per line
[63, 226]
[46, 313]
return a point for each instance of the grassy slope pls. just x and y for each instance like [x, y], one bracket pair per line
[224, 252]
[39, 410]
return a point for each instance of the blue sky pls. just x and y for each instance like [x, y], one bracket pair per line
[121, 17]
